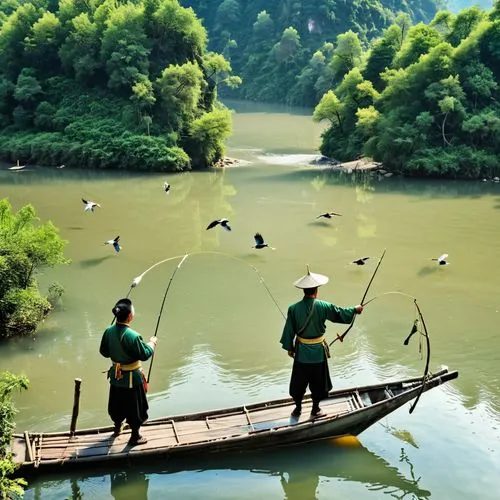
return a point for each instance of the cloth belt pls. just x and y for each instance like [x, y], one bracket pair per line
[131, 367]
[315, 340]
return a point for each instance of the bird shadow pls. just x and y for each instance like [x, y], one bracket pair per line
[319, 223]
[94, 262]
[427, 270]
[75, 228]
[253, 257]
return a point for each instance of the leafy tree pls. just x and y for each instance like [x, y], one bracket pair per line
[179, 87]
[463, 24]
[42, 43]
[421, 39]
[330, 108]
[79, 52]
[9, 383]
[125, 48]
[25, 248]
[346, 55]
[207, 134]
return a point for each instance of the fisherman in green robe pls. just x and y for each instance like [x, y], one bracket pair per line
[127, 390]
[303, 338]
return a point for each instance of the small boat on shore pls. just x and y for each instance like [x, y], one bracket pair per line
[252, 427]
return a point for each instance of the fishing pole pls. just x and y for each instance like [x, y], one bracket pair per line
[341, 337]
[426, 369]
[161, 309]
[413, 331]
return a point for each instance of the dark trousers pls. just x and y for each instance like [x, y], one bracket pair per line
[314, 375]
[128, 404]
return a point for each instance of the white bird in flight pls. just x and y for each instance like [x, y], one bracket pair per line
[441, 260]
[166, 187]
[90, 205]
[115, 244]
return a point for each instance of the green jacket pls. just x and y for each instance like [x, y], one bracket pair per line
[296, 319]
[124, 345]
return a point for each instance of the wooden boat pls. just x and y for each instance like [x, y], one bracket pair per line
[253, 427]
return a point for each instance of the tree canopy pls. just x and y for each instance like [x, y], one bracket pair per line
[284, 50]
[107, 84]
[424, 101]
[26, 247]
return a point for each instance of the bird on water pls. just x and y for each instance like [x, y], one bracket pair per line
[224, 223]
[260, 243]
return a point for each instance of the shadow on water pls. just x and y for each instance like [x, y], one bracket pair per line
[94, 262]
[319, 223]
[427, 271]
[423, 188]
[298, 478]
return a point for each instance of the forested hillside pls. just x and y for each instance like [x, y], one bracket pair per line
[109, 84]
[283, 48]
[424, 100]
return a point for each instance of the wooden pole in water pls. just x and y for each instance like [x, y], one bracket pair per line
[76, 405]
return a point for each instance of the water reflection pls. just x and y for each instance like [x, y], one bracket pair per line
[299, 479]
[366, 184]
[129, 484]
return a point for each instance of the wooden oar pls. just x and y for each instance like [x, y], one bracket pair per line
[341, 337]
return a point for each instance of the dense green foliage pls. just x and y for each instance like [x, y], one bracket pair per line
[106, 84]
[25, 248]
[424, 100]
[9, 383]
[283, 49]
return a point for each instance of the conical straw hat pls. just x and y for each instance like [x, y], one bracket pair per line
[311, 280]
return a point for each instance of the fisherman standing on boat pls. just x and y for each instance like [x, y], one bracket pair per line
[127, 391]
[303, 338]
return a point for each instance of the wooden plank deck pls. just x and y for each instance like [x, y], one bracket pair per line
[163, 434]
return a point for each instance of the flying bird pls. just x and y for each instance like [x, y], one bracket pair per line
[328, 215]
[166, 187]
[260, 243]
[441, 260]
[61, 166]
[115, 244]
[361, 262]
[90, 205]
[223, 222]
[17, 167]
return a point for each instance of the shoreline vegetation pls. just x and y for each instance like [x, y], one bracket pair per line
[26, 247]
[108, 85]
[135, 86]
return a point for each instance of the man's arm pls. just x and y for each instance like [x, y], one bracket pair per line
[345, 315]
[104, 347]
[288, 334]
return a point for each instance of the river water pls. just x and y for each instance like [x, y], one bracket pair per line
[218, 336]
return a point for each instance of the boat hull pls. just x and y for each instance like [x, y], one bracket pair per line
[253, 427]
